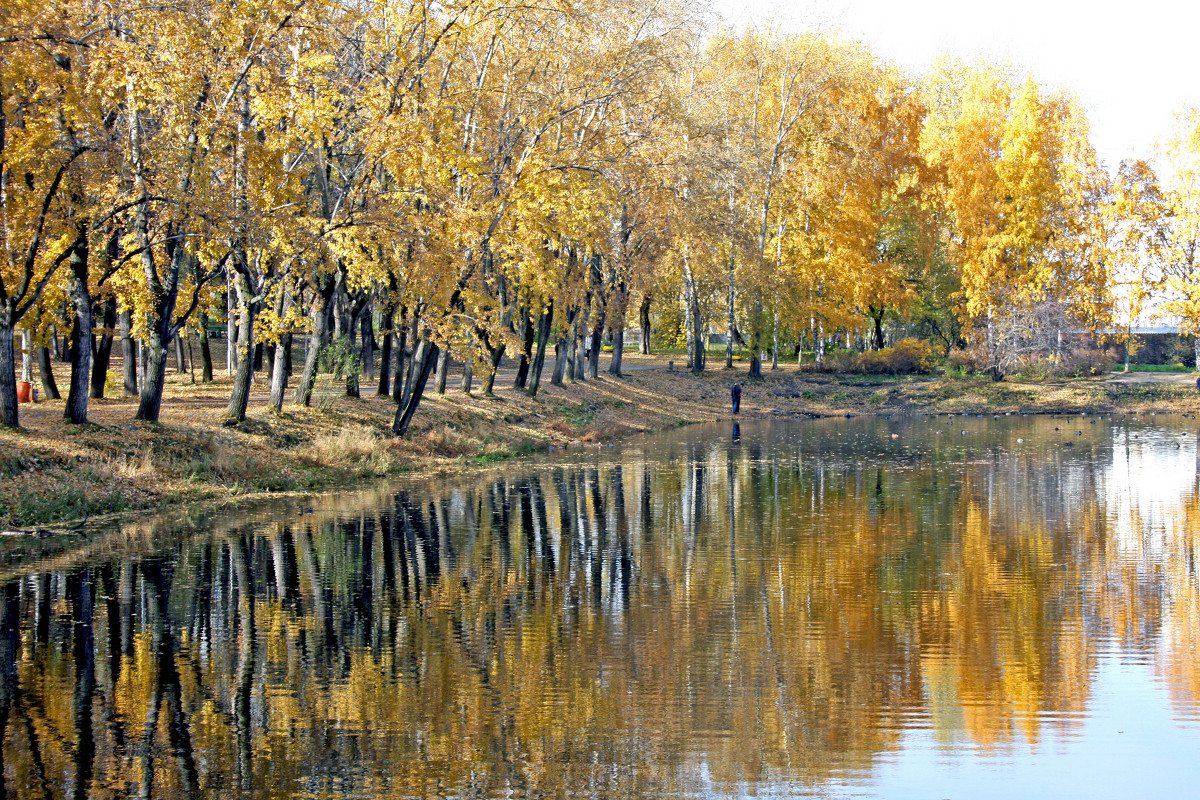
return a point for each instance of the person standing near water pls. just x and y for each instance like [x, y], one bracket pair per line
[735, 394]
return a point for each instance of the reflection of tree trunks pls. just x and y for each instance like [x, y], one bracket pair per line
[166, 688]
[733, 575]
[623, 568]
[43, 608]
[568, 510]
[152, 708]
[245, 667]
[530, 535]
[320, 609]
[545, 553]
[10, 644]
[647, 509]
[599, 539]
[108, 665]
[499, 521]
[79, 592]
[402, 582]
[281, 565]
[379, 595]
[36, 761]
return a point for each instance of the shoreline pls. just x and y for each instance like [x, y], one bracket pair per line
[56, 478]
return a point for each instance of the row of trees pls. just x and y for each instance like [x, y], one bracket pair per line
[495, 179]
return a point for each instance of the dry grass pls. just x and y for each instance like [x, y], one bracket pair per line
[354, 447]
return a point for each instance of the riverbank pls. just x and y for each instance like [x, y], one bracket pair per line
[59, 476]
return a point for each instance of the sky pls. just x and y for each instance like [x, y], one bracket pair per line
[1133, 65]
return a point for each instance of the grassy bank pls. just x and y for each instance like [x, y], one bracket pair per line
[55, 475]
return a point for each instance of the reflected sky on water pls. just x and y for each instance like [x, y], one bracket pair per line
[912, 607]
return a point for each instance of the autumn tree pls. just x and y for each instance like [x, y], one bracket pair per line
[1181, 264]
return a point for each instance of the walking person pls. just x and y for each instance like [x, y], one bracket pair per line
[735, 394]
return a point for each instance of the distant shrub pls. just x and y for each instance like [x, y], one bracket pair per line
[964, 361]
[906, 357]
[340, 358]
[1086, 362]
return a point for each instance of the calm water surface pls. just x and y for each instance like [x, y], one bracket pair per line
[953, 607]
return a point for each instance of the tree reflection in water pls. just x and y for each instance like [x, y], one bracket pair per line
[780, 606]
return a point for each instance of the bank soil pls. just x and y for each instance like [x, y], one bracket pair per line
[59, 477]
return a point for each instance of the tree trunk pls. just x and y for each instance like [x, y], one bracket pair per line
[367, 323]
[775, 343]
[442, 368]
[143, 360]
[27, 355]
[180, 359]
[618, 353]
[756, 336]
[597, 339]
[102, 351]
[239, 398]
[526, 350]
[729, 318]
[8, 377]
[385, 364]
[423, 358]
[468, 376]
[206, 362]
[401, 357]
[128, 354]
[496, 355]
[230, 330]
[572, 344]
[268, 358]
[279, 375]
[320, 312]
[154, 352]
[46, 370]
[644, 322]
[560, 362]
[279, 364]
[81, 332]
[876, 315]
[539, 359]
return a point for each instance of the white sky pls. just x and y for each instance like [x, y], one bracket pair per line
[1133, 64]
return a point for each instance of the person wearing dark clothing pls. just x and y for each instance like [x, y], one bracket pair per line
[735, 394]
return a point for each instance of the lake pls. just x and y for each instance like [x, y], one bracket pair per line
[924, 607]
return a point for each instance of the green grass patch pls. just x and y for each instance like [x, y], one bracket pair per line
[69, 502]
[579, 414]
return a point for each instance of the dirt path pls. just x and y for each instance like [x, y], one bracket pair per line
[1162, 378]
